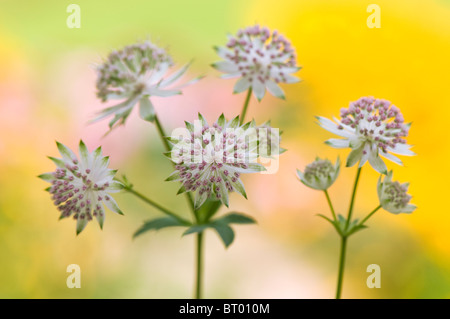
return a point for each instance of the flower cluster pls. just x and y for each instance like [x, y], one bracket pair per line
[211, 158]
[370, 127]
[260, 58]
[320, 174]
[393, 196]
[133, 74]
[81, 187]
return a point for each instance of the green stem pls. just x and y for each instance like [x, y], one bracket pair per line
[344, 238]
[244, 109]
[352, 201]
[156, 205]
[162, 134]
[198, 290]
[370, 215]
[330, 204]
[341, 267]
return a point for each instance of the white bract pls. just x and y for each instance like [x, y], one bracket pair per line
[320, 174]
[81, 187]
[210, 159]
[370, 127]
[134, 74]
[393, 196]
[260, 59]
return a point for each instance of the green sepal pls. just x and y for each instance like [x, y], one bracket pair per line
[157, 224]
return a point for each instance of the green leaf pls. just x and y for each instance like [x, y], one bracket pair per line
[208, 209]
[355, 229]
[196, 229]
[157, 224]
[236, 218]
[225, 233]
[332, 222]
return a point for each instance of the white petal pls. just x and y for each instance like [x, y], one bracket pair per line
[222, 52]
[112, 205]
[81, 223]
[157, 75]
[258, 89]
[337, 143]
[376, 162]
[274, 89]
[401, 149]
[174, 76]
[200, 199]
[163, 93]
[146, 110]
[116, 108]
[365, 155]
[354, 156]
[355, 142]
[226, 66]
[391, 157]
[333, 127]
[291, 79]
[66, 152]
[230, 75]
[241, 85]
[84, 156]
[101, 217]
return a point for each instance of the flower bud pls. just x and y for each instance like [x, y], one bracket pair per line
[393, 196]
[320, 174]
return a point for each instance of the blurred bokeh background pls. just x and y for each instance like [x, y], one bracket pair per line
[47, 93]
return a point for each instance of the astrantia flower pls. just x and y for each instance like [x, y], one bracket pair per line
[80, 188]
[260, 58]
[370, 127]
[320, 174]
[393, 196]
[133, 74]
[210, 159]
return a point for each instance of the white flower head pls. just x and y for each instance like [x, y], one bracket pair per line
[260, 58]
[133, 75]
[81, 187]
[320, 174]
[210, 159]
[393, 196]
[370, 127]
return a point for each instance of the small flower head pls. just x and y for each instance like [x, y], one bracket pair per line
[320, 174]
[393, 196]
[370, 127]
[80, 188]
[134, 74]
[260, 58]
[211, 158]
